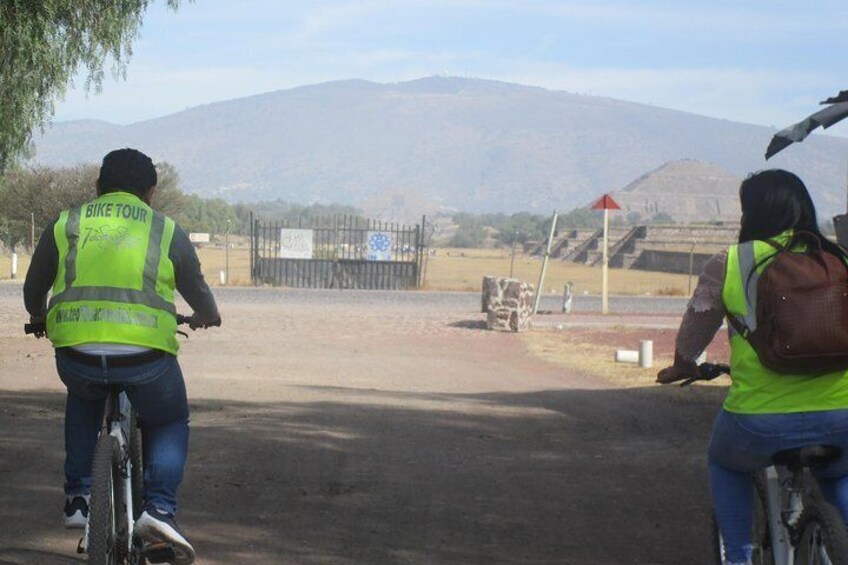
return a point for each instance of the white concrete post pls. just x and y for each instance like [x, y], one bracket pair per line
[14, 265]
[626, 356]
[646, 353]
[222, 277]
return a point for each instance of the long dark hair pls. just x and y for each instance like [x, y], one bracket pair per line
[774, 201]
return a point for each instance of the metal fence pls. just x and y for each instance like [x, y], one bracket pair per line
[341, 251]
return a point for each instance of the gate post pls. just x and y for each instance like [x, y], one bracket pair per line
[252, 274]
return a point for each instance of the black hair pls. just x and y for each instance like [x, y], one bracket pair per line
[127, 170]
[774, 201]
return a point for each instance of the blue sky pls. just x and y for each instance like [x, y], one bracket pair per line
[766, 63]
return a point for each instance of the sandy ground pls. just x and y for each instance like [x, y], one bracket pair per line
[384, 432]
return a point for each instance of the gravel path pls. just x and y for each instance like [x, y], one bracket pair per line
[361, 428]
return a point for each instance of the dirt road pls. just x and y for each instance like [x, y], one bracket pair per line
[383, 431]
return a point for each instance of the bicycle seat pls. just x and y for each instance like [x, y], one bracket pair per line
[812, 456]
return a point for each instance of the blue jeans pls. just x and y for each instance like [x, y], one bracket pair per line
[743, 443]
[157, 391]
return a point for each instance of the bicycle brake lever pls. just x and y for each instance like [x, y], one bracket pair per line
[689, 381]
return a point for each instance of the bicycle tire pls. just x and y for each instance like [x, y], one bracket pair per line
[822, 536]
[104, 522]
[137, 461]
[762, 553]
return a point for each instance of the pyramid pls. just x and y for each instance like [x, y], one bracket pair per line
[687, 190]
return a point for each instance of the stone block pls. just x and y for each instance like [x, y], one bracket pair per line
[507, 303]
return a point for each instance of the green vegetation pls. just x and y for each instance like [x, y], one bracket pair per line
[34, 196]
[474, 230]
[43, 44]
[280, 210]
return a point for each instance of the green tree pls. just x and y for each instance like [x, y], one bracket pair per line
[168, 198]
[521, 227]
[37, 195]
[469, 235]
[42, 45]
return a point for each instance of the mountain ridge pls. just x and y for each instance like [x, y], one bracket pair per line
[442, 142]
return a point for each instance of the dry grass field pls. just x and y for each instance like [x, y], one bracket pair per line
[464, 269]
[455, 269]
[597, 349]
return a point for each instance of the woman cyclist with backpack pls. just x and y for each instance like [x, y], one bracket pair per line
[765, 411]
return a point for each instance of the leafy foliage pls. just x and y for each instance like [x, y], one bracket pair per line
[288, 211]
[520, 227]
[36, 195]
[523, 227]
[42, 45]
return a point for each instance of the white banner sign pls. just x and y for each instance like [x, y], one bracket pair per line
[295, 244]
[379, 246]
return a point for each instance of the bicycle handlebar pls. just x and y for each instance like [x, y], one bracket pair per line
[183, 319]
[35, 327]
[40, 327]
[708, 372]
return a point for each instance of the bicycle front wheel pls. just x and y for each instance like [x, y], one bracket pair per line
[106, 523]
[823, 539]
[761, 537]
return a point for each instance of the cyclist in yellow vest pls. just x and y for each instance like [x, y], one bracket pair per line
[112, 266]
[764, 412]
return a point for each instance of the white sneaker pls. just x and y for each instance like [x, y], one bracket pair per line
[76, 510]
[154, 527]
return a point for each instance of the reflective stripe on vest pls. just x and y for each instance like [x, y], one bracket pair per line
[750, 276]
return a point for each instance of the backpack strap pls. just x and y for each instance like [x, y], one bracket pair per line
[739, 326]
[777, 245]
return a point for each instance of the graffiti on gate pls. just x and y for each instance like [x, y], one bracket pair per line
[295, 243]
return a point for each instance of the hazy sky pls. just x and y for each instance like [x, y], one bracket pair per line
[766, 63]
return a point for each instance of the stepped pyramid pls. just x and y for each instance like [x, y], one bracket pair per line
[687, 190]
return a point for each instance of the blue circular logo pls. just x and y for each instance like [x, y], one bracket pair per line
[380, 242]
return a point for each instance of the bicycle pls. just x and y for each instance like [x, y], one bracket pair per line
[117, 484]
[792, 523]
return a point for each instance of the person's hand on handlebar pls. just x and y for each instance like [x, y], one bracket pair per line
[40, 322]
[681, 370]
[200, 322]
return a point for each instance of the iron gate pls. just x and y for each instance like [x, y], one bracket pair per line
[341, 251]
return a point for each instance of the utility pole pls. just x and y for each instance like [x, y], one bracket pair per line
[227, 253]
[32, 232]
[512, 258]
[545, 264]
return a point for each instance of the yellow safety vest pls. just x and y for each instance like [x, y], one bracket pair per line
[756, 389]
[115, 282]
